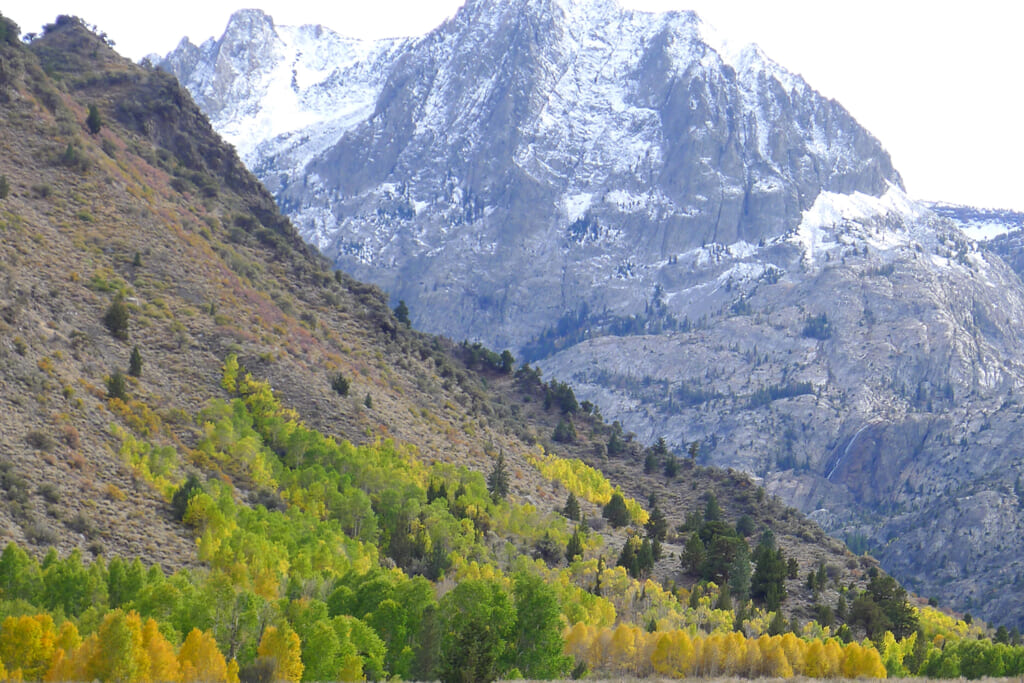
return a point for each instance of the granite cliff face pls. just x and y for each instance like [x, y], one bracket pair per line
[696, 239]
[528, 157]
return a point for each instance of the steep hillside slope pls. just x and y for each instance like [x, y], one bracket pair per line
[703, 245]
[142, 230]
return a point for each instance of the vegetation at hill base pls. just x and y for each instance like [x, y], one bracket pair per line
[364, 562]
[229, 506]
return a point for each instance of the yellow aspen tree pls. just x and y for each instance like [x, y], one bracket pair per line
[873, 666]
[861, 661]
[662, 659]
[577, 641]
[833, 658]
[74, 665]
[65, 645]
[600, 653]
[119, 655]
[699, 665]
[623, 649]
[773, 657]
[200, 660]
[27, 644]
[163, 663]
[815, 664]
[851, 660]
[285, 648]
[687, 653]
[61, 668]
[232, 676]
[646, 642]
[751, 660]
[735, 651]
[793, 647]
[67, 637]
[674, 654]
[713, 655]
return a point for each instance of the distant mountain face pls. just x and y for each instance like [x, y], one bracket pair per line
[1000, 231]
[696, 239]
[527, 156]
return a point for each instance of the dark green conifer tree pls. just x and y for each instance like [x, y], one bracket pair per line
[572, 508]
[616, 511]
[497, 480]
[574, 549]
[94, 121]
[135, 363]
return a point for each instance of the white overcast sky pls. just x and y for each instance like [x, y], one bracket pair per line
[939, 83]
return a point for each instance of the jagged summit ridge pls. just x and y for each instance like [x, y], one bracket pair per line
[552, 145]
[260, 81]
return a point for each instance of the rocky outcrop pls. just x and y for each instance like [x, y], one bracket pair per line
[529, 158]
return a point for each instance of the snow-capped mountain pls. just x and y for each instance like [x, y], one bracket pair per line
[701, 243]
[981, 224]
[552, 145]
[283, 87]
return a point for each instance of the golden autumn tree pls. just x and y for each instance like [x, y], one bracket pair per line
[833, 658]
[815, 660]
[233, 671]
[72, 664]
[66, 643]
[773, 658]
[123, 649]
[163, 663]
[673, 655]
[118, 654]
[27, 645]
[862, 661]
[794, 649]
[578, 640]
[200, 660]
[284, 648]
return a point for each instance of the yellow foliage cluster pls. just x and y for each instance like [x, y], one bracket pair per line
[156, 465]
[935, 624]
[630, 651]
[283, 647]
[137, 415]
[123, 648]
[583, 481]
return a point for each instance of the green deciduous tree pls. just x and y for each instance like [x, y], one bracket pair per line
[538, 632]
[478, 621]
